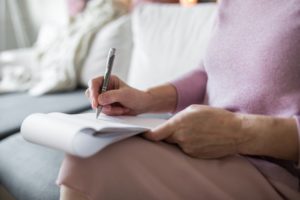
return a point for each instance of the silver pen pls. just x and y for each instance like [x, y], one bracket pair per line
[109, 65]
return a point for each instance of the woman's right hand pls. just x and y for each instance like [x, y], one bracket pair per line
[119, 99]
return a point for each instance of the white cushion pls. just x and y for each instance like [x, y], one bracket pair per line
[169, 40]
[47, 35]
[116, 34]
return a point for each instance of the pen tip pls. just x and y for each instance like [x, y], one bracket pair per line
[97, 113]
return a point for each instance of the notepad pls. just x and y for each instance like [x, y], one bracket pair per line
[81, 134]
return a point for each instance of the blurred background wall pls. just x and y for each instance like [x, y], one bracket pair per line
[20, 20]
[45, 11]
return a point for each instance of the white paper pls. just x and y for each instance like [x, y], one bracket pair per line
[71, 133]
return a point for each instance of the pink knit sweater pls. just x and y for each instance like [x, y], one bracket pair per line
[252, 65]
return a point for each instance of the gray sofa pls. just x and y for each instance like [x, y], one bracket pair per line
[28, 171]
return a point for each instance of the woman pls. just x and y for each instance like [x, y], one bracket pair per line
[243, 144]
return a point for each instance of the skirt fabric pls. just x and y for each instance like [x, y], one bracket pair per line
[139, 169]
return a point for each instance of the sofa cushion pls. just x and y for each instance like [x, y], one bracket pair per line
[15, 107]
[115, 34]
[169, 40]
[28, 171]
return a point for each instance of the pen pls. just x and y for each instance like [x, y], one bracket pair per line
[109, 65]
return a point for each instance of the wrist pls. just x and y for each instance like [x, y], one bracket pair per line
[161, 99]
[149, 99]
[248, 139]
[268, 136]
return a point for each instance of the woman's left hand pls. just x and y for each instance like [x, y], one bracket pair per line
[202, 131]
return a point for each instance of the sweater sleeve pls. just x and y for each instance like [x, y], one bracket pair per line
[191, 88]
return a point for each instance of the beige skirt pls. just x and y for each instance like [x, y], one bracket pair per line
[140, 169]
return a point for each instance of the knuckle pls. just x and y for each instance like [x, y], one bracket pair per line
[199, 106]
[193, 107]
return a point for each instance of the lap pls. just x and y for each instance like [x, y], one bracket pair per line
[140, 169]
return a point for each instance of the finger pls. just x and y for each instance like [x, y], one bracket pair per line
[170, 140]
[161, 132]
[189, 150]
[106, 109]
[115, 110]
[94, 85]
[180, 137]
[114, 82]
[111, 96]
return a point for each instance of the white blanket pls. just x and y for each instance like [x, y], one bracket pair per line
[58, 63]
